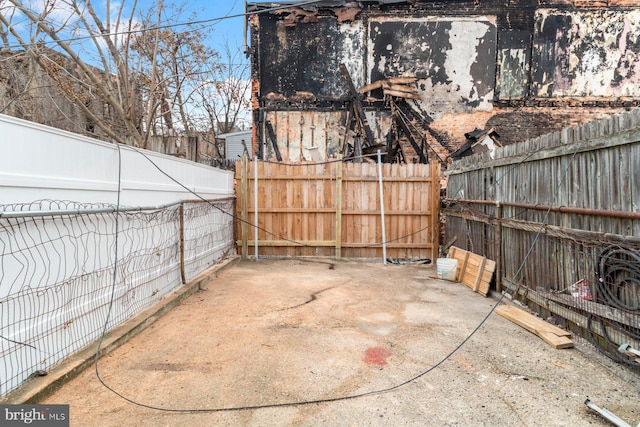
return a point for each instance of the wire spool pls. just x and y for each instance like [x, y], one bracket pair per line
[618, 272]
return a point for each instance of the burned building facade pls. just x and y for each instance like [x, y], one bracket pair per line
[414, 77]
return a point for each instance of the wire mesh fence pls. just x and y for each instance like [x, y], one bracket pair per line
[57, 279]
[589, 284]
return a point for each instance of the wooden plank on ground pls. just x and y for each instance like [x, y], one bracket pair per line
[461, 256]
[474, 271]
[530, 320]
[485, 282]
[552, 335]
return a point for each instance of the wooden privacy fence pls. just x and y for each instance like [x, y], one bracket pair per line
[333, 209]
[560, 215]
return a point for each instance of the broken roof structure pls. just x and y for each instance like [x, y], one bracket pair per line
[425, 73]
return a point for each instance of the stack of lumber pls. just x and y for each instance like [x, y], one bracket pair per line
[552, 335]
[474, 271]
[400, 87]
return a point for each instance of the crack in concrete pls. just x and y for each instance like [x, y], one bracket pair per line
[313, 297]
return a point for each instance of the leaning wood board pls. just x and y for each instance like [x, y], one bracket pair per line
[552, 335]
[474, 271]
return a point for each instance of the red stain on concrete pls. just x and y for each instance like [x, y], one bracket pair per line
[376, 356]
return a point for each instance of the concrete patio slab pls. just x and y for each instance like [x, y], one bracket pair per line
[319, 342]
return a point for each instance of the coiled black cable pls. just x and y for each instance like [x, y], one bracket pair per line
[618, 270]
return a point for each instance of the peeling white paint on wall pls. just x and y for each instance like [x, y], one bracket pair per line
[444, 53]
[513, 73]
[465, 38]
[353, 42]
[598, 54]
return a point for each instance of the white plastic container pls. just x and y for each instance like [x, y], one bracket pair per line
[446, 268]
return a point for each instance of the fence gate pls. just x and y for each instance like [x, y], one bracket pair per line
[333, 209]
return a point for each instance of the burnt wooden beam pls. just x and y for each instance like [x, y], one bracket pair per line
[372, 86]
[357, 149]
[274, 140]
[348, 127]
[401, 94]
[390, 151]
[414, 144]
[355, 95]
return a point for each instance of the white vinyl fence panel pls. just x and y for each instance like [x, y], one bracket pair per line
[40, 162]
[58, 239]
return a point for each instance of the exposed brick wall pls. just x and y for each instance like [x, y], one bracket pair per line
[517, 124]
[452, 127]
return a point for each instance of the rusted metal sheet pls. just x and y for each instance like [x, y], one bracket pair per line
[587, 53]
[454, 58]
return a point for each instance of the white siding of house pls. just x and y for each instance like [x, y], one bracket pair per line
[233, 144]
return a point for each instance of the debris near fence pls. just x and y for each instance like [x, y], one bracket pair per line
[556, 337]
[474, 271]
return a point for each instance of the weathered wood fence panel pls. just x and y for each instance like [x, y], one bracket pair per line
[558, 213]
[333, 209]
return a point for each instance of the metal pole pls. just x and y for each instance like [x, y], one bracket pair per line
[245, 50]
[86, 211]
[108, 11]
[255, 204]
[384, 234]
[613, 418]
[560, 209]
[244, 200]
[182, 273]
[339, 207]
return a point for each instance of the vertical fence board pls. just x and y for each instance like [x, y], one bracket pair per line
[301, 208]
[547, 256]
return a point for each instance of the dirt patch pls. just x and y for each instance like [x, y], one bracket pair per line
[359, 341]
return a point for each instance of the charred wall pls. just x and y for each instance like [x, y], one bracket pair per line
[586, 53]
[452, 57]
[524, 67]
[301, 62]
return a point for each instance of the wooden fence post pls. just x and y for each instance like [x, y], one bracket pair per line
[339, 207]
[434, 168]
[244, 199]
[498, 246]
